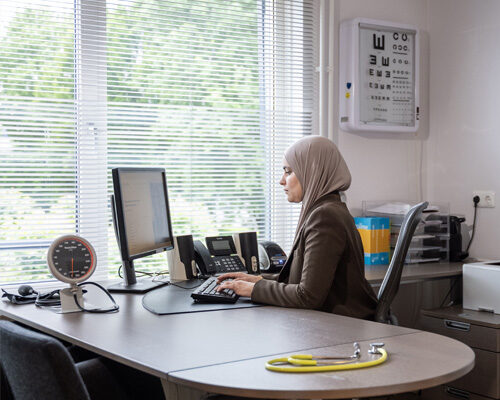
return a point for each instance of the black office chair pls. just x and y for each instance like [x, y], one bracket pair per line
[392, 278]
[38, 366]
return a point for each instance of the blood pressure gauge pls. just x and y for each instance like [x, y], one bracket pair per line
[71, 259]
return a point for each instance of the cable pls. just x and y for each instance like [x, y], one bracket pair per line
[139, 273]
[156, 275]
[420, 170]
[51, 299]
[185, 287]
[19, 299]
[476, 201]
[449, 291]
[114, 308]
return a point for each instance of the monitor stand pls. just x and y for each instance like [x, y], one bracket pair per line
[141, 286]
[131, 285]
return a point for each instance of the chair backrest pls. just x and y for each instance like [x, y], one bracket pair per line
[392, 278]
[38, 366]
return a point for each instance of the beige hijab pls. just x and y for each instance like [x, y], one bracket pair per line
[320, 169]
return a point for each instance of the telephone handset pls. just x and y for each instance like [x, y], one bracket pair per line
[203, 258]
[219, 257]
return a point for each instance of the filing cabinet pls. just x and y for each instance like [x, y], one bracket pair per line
[480, 331]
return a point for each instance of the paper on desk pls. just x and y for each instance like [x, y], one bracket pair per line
[391, 208]
[399, 208]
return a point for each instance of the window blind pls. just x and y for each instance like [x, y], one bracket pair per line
[211, 91]
[37, 134]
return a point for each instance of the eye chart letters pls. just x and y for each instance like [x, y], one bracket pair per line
[379, 76]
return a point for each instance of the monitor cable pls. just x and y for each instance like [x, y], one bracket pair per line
[138, 273]
[155, 277]
[185, 287]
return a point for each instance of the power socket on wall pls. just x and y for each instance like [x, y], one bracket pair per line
[486, 198]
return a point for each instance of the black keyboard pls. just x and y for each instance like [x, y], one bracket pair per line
[206, 293]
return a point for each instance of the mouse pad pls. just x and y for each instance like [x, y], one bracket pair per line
[177, 299]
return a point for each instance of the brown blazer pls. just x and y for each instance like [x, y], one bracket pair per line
[325, 270]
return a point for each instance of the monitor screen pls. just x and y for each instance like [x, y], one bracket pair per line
[142, 211]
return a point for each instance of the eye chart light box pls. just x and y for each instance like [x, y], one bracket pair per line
[379, 76]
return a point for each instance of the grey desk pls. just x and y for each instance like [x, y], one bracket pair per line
[416, 272]
[224, 351]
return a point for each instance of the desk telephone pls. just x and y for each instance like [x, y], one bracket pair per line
[220, 256]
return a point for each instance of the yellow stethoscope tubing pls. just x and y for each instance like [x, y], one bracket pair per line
[305, 363]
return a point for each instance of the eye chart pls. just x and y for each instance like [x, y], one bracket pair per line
[378, 76]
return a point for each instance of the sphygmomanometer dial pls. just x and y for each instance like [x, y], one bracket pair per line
[71, 259]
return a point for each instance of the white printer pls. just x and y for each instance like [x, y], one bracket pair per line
[481, 286]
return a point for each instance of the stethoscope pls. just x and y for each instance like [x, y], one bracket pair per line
[310, 363]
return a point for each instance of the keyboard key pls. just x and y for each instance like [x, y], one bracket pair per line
[207, 292]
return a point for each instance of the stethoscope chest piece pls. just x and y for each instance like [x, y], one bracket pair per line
[374, 349]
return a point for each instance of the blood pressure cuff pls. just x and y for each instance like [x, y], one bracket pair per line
[18, 299]
[48, 299]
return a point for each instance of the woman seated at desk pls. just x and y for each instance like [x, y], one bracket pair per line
[325, 270]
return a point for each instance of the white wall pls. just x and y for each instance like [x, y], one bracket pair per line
[463, 149]
[457, 147]
[386, 166]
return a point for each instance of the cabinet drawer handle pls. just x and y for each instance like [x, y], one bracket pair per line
[461, 326]
[461, 394]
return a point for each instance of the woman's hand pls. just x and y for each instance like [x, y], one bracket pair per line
[241, 276]
[241, 288]
[242, 284]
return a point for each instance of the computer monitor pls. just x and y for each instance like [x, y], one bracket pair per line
[141, 218]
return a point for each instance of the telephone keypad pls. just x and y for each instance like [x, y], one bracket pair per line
[228, 264]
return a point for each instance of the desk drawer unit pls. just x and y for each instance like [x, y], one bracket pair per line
[472, 335]
[446, 392]
[481, 331]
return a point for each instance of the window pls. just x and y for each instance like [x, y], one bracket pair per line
[211, 91]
